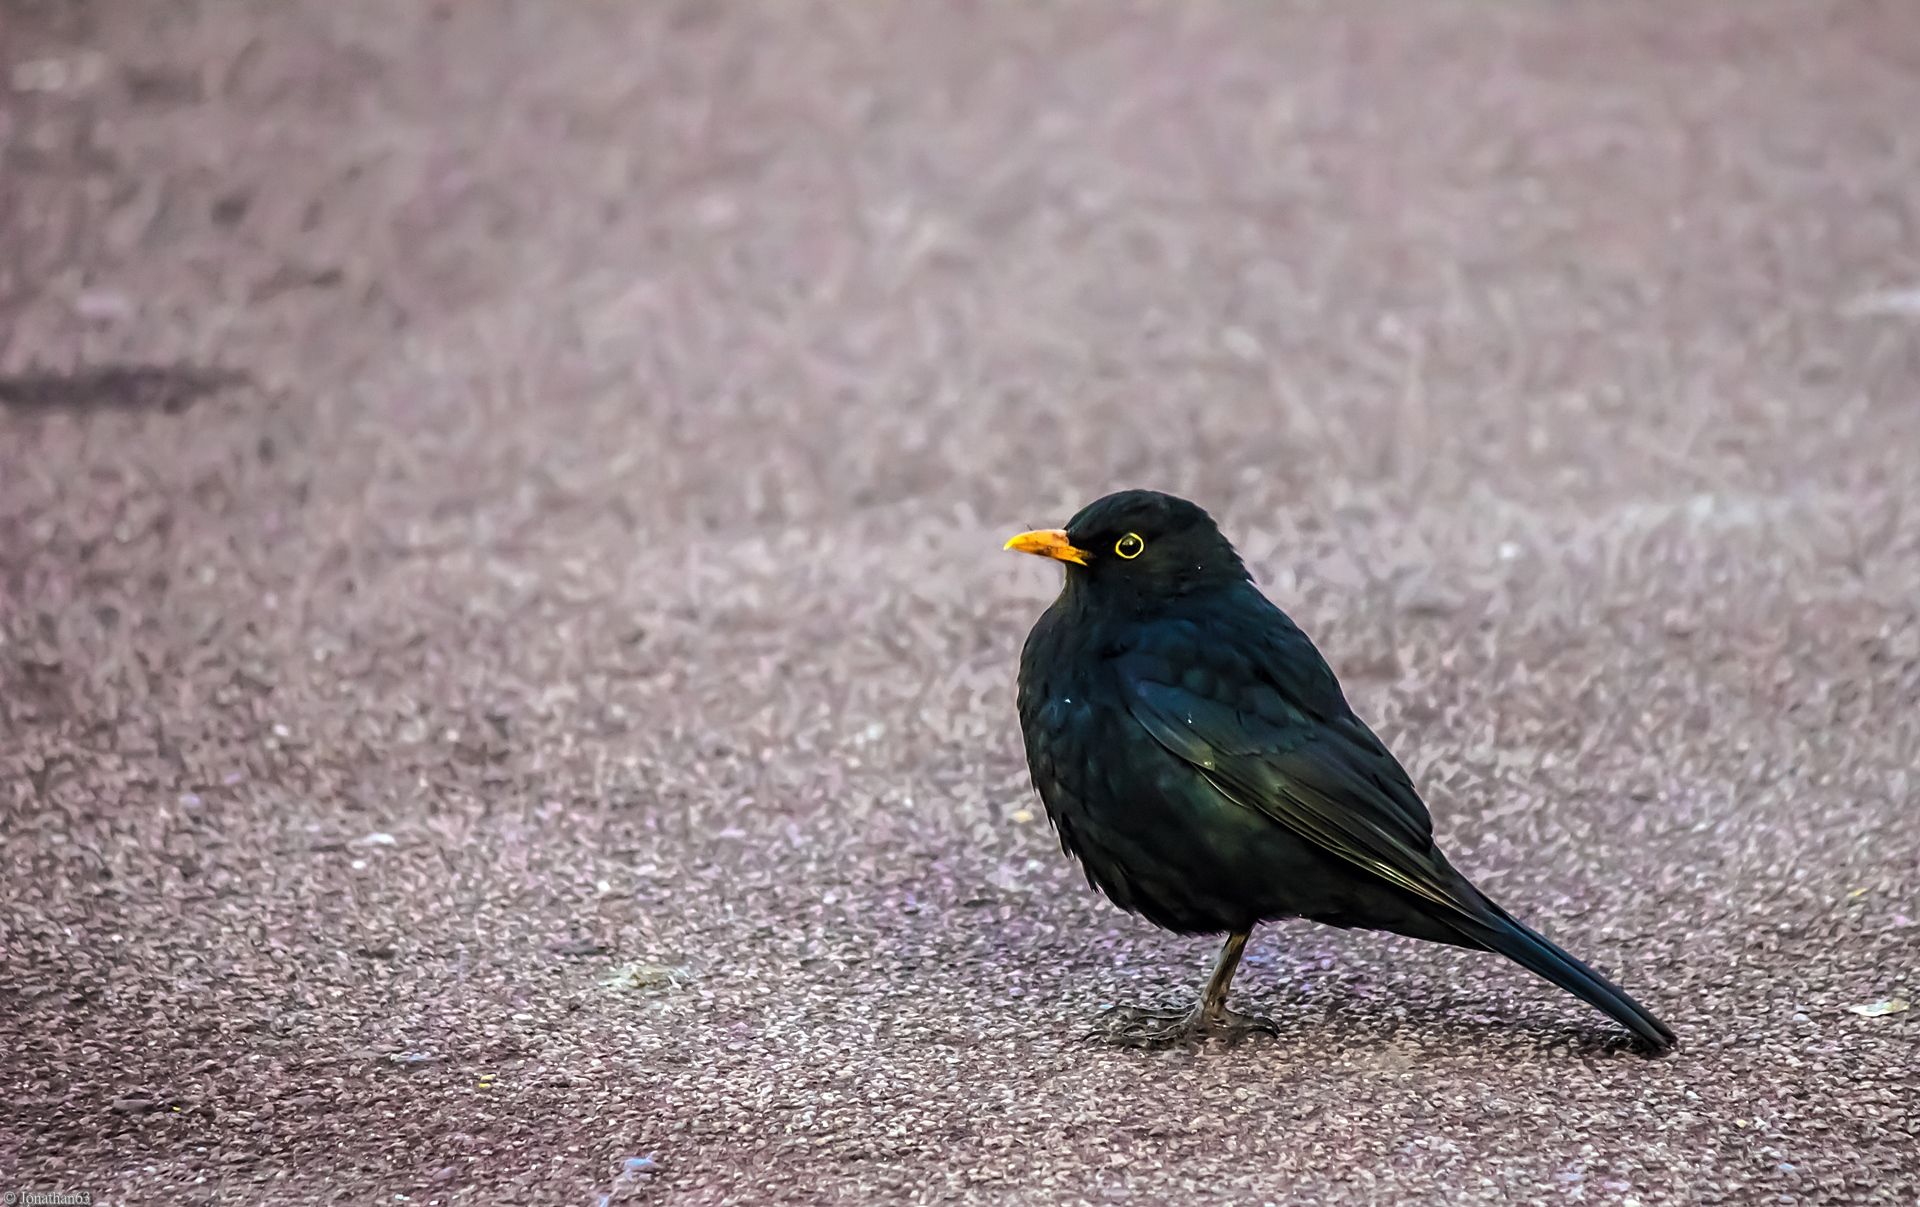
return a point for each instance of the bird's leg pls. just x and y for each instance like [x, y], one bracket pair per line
[1219, 1020]
[1210, 1016]
[1214, 1001]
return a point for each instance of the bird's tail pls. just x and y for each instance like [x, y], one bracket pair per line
[1537, 954]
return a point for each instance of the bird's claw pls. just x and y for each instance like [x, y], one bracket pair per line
[1136, 1027]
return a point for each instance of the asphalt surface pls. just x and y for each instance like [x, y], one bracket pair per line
[507, 664]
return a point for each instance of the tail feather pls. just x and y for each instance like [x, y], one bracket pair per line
[1539, 955]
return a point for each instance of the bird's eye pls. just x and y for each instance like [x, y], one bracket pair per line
[1130, 546]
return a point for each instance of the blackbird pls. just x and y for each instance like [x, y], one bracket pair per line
[1196, 754]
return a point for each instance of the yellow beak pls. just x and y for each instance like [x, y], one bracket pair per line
[1048, 542]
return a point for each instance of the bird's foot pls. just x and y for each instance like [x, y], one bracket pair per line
[1142, 1028]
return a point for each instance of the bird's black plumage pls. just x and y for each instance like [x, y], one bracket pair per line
[1197, 755]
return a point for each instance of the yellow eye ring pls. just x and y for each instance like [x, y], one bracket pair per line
[1130, 546]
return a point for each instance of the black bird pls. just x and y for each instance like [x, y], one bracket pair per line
[1197, 755]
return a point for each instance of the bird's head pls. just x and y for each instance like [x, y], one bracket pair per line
[1139, 544]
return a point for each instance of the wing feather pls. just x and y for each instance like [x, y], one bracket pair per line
[1329, 779]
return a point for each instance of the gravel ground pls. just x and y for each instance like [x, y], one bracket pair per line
[506, 664]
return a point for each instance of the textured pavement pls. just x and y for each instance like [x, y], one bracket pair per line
[506, 664]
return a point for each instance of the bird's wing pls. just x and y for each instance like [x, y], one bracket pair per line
[1311, 767]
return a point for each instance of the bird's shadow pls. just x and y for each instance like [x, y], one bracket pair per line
[1283, 987]
[1328, 990]
[1318, 1025]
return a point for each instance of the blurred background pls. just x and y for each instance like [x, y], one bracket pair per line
[507, 667]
